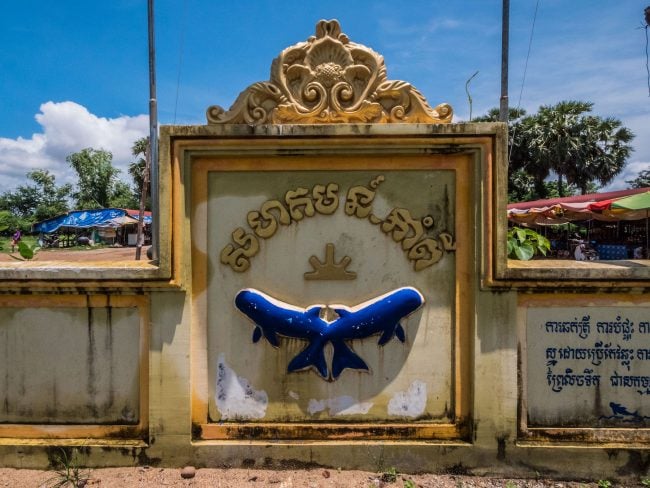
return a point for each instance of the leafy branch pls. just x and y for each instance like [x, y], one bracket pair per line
[523, 244]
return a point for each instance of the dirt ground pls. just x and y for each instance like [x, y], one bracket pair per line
[315, 478]
[82, 255]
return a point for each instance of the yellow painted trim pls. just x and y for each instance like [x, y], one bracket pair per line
[83, 441]
[329, 431]
[580, 300]
[462, 163]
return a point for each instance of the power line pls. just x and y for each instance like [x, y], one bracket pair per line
[181, 45]
[523, 79]
[530, 44]
[646, 14]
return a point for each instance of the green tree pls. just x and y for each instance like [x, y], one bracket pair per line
[565, 140]
[9, 222]
[96, 178]
[137, 169]
[642, 180]
[122, 196]
[40, 200]
[521, 183]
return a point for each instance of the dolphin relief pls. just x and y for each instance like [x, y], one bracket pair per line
[381, 315]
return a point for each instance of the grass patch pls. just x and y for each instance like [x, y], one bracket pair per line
[5, 243]
[32, 242]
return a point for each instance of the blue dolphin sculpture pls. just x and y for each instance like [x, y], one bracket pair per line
[381, 315]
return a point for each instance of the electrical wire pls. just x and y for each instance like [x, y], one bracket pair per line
[647, 63]
[530, 44]
[523, 80]
[181, 45]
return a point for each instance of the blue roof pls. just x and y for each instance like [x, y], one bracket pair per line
[83, 219]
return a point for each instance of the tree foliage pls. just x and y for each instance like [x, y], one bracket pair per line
[96, 177]
[123, 196]
[642, 180]
[98, 185]
[40, 200]
[523, 244]
[565, 142]
[137, 169]
[9, 222]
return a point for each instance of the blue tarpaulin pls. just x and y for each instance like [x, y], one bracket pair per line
[84, 219]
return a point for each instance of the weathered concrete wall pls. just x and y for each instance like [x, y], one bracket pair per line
[166, 372]
[69, 365]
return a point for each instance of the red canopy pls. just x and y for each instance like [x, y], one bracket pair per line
[602, 205]
[591, 197]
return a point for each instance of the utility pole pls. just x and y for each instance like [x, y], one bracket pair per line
[505, 33]
[153, 138]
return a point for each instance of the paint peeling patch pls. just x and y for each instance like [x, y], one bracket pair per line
[294, 395]
[343, 405]
[409, 403]
[236, 398]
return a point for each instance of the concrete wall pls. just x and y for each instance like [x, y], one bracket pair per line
[135, 374]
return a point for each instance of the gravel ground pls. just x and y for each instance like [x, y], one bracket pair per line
[315, 478]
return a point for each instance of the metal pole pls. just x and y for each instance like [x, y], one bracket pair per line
[153, 137]
[505, 33]
[647, 238]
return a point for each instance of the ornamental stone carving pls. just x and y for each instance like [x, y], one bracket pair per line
[329, 79]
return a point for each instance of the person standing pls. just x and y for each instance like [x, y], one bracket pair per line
[15, 239]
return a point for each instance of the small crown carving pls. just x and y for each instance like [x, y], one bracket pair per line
[329, 269]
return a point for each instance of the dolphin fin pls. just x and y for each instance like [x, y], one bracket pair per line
[387, 335]
[272, 337]
[344, 357]
[399, 332]
[342, 312]
[312, 355]
[313, 311]
[257, 334]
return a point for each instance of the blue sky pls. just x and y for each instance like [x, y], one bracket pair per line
[74, 73]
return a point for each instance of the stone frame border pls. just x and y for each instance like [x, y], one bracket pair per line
[245, 143]
[601, 437]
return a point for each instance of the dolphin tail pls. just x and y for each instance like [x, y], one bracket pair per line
[312, 356]
[257, 334]
[344, 357]
[390, 332]
[399, 332]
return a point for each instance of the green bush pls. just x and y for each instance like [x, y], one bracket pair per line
[524, 244]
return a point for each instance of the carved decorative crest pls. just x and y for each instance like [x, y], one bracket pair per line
[329, 79]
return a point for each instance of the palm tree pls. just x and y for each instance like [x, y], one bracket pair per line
[605, 150]
[137, 167]
[563, 139]
[520, 182]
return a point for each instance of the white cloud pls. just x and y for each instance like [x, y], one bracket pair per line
[630, 172]
[68, 127]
